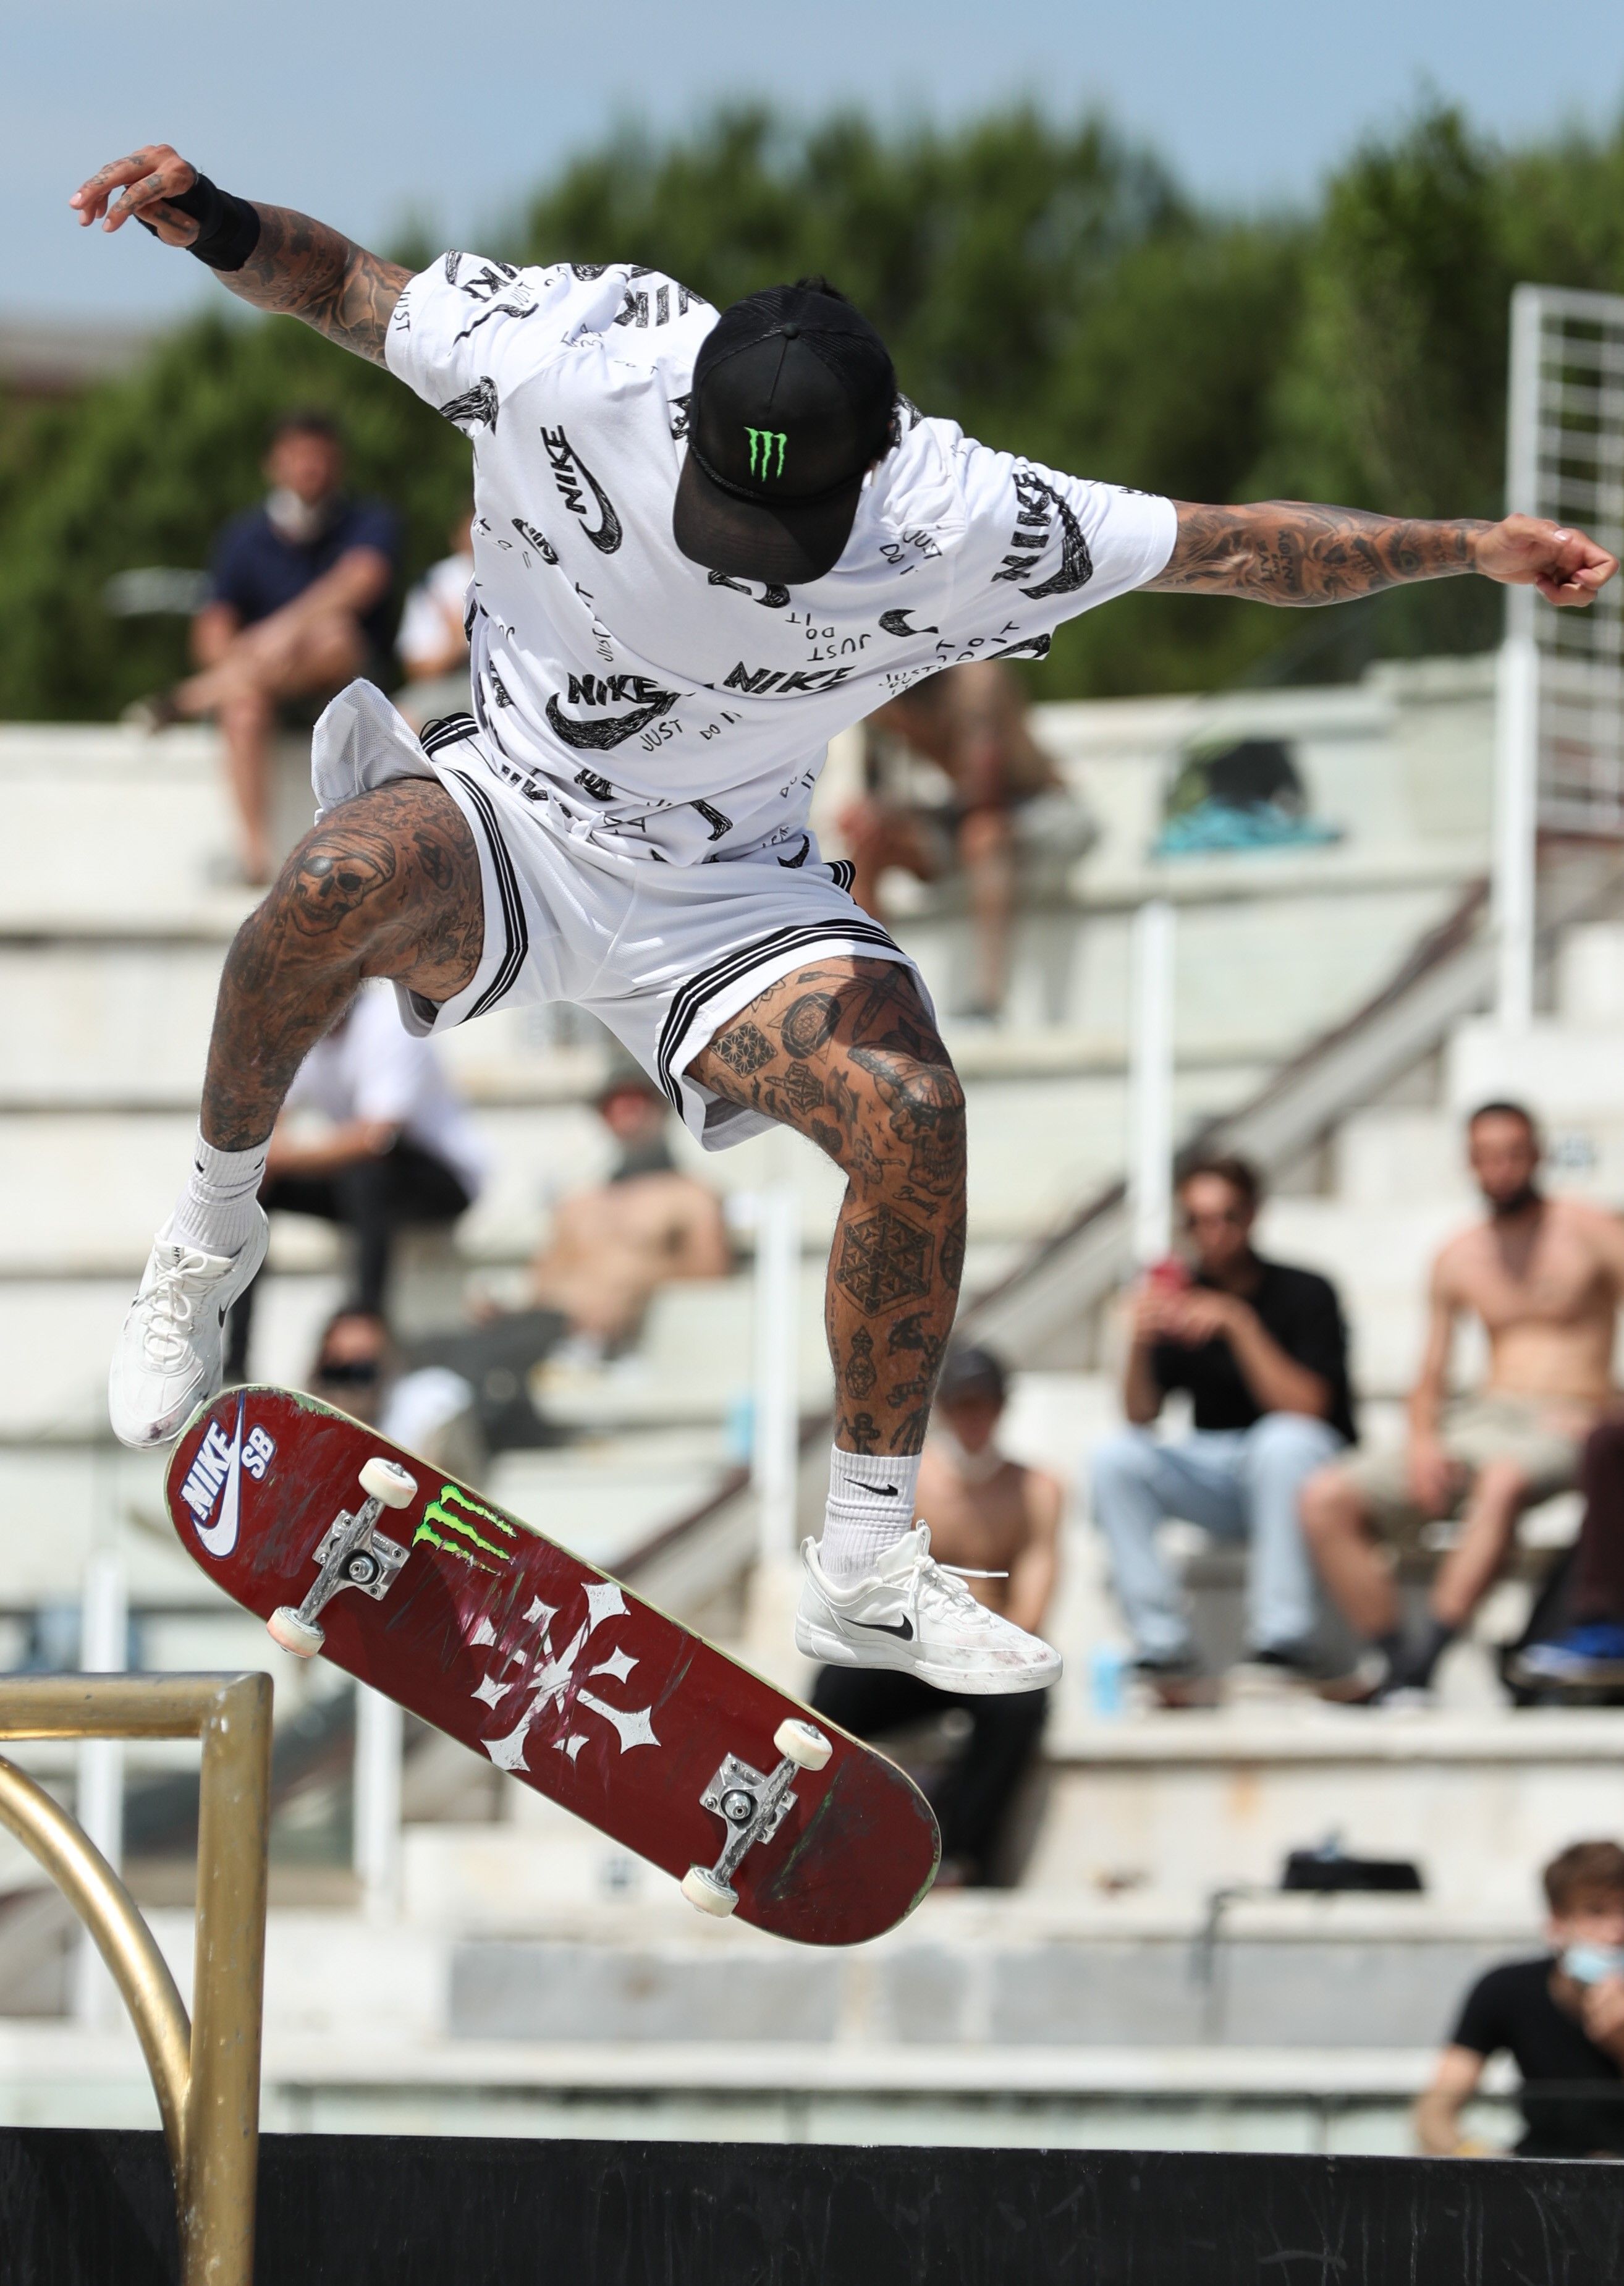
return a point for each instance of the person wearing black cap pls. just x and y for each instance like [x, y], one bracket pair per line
[1001, 1521]
[703, 543]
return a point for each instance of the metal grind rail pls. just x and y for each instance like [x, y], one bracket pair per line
[205, 2071]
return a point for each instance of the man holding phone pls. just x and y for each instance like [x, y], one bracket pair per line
[1560, 2016]
[1262, 1350]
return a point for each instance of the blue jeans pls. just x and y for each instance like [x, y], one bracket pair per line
[1237, 1483]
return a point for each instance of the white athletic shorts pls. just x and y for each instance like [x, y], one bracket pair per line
[662, 955]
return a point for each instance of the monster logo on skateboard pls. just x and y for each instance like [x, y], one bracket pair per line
[478, 1624]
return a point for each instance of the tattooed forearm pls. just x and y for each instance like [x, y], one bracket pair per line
[304, 269]
[1299, 552]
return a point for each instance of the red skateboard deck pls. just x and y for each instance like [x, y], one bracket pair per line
[474, 1621]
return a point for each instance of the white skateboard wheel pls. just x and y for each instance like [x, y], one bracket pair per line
[801, 1744]
[387, 1481]
[701, 1888]
[302, 1637]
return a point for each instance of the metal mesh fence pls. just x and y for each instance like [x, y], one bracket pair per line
[1567, 461]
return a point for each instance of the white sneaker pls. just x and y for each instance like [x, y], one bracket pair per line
[915, 1615]
[170, 1352]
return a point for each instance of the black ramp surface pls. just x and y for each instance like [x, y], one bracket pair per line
[84, 2207]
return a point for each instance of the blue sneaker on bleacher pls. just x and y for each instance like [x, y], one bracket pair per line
[1592, 1652]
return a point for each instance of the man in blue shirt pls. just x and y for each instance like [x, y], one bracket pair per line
[300, 605]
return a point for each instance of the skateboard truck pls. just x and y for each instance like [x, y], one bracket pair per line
[352, 1554]
[753, 1807]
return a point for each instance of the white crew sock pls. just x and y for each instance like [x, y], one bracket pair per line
[870, 1507]
[217, 1209]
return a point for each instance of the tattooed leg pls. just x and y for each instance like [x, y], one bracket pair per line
[387, 884]
[844, 1051]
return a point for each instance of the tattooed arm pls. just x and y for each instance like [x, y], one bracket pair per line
[1298, 552]
[301, 268]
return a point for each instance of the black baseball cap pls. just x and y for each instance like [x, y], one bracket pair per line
[792, 398]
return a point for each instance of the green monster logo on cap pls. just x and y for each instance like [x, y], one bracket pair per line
[762, 443]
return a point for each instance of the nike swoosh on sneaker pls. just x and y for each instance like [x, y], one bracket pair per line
[220, 1538]
[903, 1627]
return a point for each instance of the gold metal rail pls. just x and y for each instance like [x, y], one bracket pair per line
[205, 2073]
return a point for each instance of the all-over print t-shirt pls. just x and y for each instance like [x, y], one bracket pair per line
[680, 714]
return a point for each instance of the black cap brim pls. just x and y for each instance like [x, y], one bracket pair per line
[788, 543]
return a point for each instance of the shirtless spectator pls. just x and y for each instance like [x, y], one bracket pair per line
[299, 606]
[1545, 1277]
[1008, 806]
[1001, 1521]
[611, 1247]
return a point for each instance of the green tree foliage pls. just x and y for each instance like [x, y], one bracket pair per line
[1047, 285]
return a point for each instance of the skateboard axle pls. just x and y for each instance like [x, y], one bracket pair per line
[752, 1806]
[352, 1554]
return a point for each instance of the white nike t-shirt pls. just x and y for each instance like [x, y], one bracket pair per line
[675, 713]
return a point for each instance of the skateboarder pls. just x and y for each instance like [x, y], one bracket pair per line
[703, 543]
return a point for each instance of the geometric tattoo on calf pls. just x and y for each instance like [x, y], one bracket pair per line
[883, 1260]
[745, 1048]
[861, 1372]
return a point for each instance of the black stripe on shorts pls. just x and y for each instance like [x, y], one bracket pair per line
[512, 904]
[698, 989]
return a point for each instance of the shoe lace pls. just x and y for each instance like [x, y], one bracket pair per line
[945, 1584]
[167, 1309]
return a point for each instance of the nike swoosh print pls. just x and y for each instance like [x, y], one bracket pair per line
[607, 537]
[614, 729]
[903, 1627]
[220, 1538]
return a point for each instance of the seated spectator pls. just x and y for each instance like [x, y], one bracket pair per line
[433, 638]
[300, 606]
[1584, 1648]
[611, 1247]
[399, 1149]
[1008, 805]
[1560, 2016]
[1262, 1348]
[1001, 1521]
[1544, 1278]
[359, 1369]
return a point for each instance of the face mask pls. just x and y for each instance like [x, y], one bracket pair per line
[974, 1468]
[1593, 1964]
[296, 520]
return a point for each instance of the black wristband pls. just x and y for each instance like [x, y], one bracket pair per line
[227, 227]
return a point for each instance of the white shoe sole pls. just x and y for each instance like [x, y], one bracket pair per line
[896, 1657]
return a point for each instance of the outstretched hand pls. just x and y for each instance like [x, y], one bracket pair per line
[142, 186]
[1528, 551]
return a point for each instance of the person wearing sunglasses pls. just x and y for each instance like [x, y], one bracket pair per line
[1261, 1349]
